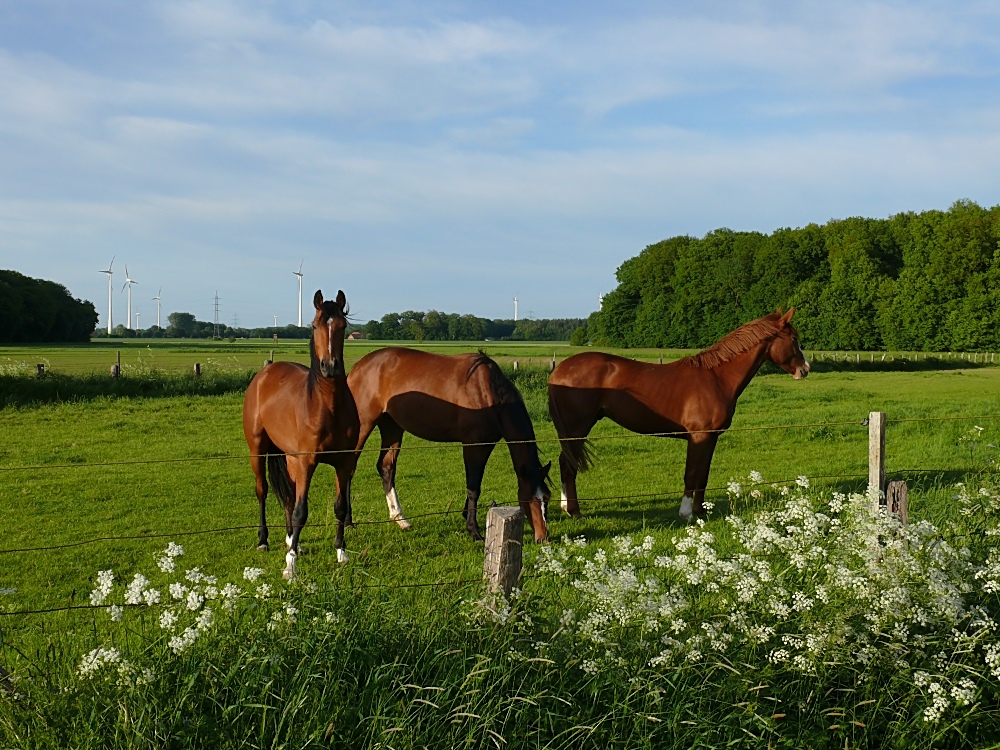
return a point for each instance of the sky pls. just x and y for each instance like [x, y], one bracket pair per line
[452, 155]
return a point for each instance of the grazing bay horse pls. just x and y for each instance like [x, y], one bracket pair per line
[464, 398]
[693, 398]
[295, 418]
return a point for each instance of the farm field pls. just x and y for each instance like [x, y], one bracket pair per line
[120, 477]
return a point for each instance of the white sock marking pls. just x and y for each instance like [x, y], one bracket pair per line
[288, 541]
[396, 510]
[341, 555]
[290, 571]
[686, 508]
[563, 499]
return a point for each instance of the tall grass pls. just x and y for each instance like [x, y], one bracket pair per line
[813, 624]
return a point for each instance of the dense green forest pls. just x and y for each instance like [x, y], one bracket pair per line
[915, 281]
[35, 310]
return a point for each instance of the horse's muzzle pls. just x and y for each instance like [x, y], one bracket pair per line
[801, 372]
[331, 368]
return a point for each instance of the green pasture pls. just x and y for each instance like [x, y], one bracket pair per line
[101, 475]
[85, 467]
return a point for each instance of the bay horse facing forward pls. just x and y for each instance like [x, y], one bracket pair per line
[693, 398]
[463, 398]
[295, 418]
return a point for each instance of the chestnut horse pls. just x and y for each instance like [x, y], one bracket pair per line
[464, 398]
[693, 398]
[295, 418]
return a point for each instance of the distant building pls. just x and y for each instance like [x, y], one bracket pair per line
[355, 335]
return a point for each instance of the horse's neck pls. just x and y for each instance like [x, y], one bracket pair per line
[736, 374]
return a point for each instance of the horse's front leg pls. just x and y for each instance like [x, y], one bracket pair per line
[342, 510]
[301, 470]
[701, 448]
[475, 457]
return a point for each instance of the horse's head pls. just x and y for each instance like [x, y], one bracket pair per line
[533, 496]
[784, 350]
[328, 334]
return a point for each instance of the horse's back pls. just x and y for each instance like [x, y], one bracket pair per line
[598, 370]
[386, 373]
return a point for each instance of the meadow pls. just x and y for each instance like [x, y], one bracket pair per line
[104, 475]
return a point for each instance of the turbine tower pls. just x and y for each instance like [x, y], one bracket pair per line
[515, 308]
[108, 272]
[157, 299]
[299, 274]
[128, 283]
[137, 320]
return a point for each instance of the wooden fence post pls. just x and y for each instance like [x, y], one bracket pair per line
[40, 369]
[197, 369]
[504, 534]
[897, 500]
[515, 365]
[876, 450]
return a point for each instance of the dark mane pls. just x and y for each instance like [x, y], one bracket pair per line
[514, 413]
[735, 343]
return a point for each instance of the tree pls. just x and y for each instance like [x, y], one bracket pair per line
[181, 325]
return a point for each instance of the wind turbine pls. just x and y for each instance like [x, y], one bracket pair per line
[157, 299]
[299, 274]
[109, 273]
[515, 308]
[137, 320]
[128, 283]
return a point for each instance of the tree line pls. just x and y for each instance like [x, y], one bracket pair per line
[916, 281]
[407, 326]
[439, 326]
[35, 310]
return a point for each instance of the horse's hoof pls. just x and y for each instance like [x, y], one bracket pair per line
[404, 524]
[342, 555]
[263, 547]
[288, 574]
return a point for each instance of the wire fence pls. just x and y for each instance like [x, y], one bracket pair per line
[460, 582]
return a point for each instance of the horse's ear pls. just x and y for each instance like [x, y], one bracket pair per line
[341, 299]
[318, 299]
[787, 317]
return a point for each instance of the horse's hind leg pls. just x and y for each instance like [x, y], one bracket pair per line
[258, 462]
[567, 478]
[392, 438]
[475, 457]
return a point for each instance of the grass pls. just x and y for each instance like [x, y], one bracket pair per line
[168, 457]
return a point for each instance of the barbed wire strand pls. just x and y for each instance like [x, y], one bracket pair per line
[438, 446]
[328, 524]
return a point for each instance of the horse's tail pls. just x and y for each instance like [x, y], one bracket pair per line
[577, 451]
[277, 469]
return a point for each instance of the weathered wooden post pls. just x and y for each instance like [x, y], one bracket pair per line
[661, 359]
[515, 365]
[876, 451]
[40, 368]
[552, 365]
[897, 500]
[197, 369]
[504, 535]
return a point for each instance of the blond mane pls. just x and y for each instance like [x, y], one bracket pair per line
[735, 343]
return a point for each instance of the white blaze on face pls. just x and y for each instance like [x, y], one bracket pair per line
[686, 508]
[540, 497]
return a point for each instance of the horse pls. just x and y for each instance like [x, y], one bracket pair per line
[297, 417]
[693, 399]
[462, 398]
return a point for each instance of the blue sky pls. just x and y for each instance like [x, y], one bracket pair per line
[449, 155]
